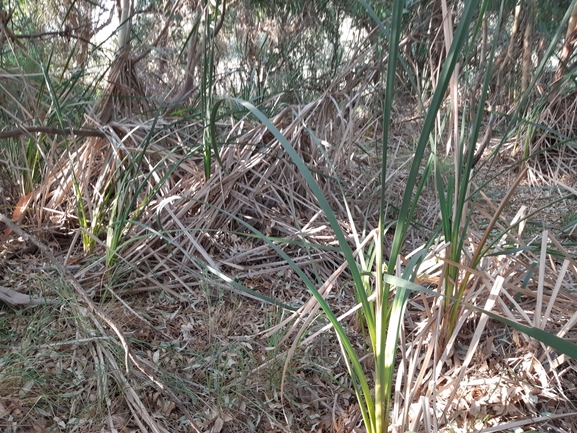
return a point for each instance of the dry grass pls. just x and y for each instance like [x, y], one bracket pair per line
[206, 348]
[62, 370]
[206, 355]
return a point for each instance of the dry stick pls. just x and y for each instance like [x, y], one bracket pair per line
[47, 130]
[532, 420]
[13, 297]
[486, 140]
[98, 312]
[497, 215]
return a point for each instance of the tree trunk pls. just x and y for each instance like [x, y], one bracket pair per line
[125, 24]
[507, 59]
[568, 46]
[570, 37]
[527, 49]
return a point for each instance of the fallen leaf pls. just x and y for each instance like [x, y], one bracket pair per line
[18, 215]
[217, 427]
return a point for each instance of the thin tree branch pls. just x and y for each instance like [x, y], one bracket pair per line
[48, 130]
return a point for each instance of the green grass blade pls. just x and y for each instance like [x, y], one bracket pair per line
[354, 366]
[353, 363]
[461, 35]
[316, 190]
[383, 369]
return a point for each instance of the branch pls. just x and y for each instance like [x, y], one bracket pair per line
[4, 19]
[47, 130]
[66, 33]
[221, 21]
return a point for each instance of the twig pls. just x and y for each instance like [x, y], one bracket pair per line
[48, 130]
[16, 298]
